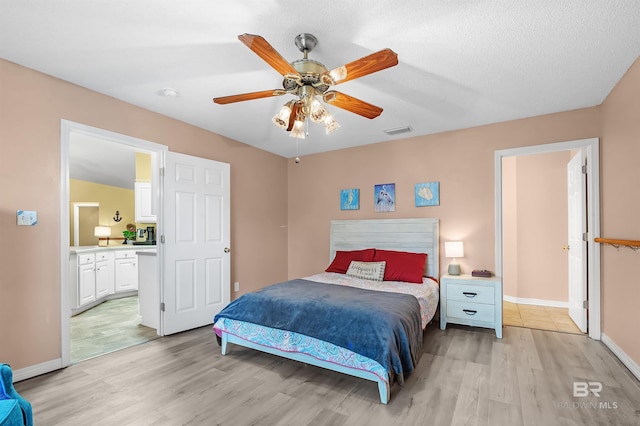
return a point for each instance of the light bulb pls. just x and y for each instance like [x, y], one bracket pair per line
[330, 123]
[298, 129]
[281, 119]
[318, 112]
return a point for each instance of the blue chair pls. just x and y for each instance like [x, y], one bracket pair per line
[14, 409]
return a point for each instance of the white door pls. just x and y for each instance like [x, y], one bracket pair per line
[577, 247]
[196, 241]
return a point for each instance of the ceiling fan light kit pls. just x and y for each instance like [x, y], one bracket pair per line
[298, 129]
[309, 80]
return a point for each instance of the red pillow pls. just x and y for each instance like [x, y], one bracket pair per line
[402, 265]
[343, 259]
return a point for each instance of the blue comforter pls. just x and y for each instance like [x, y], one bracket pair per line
[382, 326]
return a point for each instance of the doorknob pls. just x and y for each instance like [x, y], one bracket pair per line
[227, 249]
[565, 247]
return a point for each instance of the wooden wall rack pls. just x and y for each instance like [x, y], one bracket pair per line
[632, 244]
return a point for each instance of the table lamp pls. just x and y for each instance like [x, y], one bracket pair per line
[102, 231]
[454, 249]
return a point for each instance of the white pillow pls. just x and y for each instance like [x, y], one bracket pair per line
[367, 270]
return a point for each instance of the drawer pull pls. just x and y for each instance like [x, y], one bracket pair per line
[469, 311]
[469, 294]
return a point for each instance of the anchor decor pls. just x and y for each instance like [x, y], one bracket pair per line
[117, 217]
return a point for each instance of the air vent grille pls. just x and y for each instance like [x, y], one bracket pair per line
[398, 130]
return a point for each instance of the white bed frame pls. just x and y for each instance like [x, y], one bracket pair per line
[412, 235]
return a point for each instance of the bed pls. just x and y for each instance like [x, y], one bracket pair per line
[347, 321]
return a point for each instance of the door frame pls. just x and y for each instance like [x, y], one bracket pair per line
[591, 149]
[67, 128]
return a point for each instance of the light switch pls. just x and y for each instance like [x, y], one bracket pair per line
[27, 218]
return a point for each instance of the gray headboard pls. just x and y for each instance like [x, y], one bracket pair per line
[413, 235]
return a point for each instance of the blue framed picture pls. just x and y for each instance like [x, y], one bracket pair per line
[384, 195]
[427, 194]
[350, 199]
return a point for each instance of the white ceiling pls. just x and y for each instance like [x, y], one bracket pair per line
[461, 63]
[94, 159]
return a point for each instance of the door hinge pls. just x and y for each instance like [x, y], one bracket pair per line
[161, 239]
[585, 304]
[162, 171]
[584, 170]
[162, 307]
[585, 236]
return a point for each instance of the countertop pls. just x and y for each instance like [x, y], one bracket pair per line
[92, 249]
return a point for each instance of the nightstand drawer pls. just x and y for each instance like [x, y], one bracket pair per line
[471, 311]
[471, 293]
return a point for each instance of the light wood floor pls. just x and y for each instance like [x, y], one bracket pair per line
[465, 376]
[110, 326]
[538, 317]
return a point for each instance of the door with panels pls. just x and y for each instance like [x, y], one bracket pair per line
[196, 245]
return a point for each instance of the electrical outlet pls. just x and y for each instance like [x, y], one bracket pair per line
[236, 286]
[27, 218]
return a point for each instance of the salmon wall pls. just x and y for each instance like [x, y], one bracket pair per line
[31, 107]
[461, 161]
[535, 227]
[620, 212]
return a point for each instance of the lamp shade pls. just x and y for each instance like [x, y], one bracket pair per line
[102, 231]
[453, 249]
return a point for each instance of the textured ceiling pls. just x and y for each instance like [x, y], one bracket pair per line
[461, 63]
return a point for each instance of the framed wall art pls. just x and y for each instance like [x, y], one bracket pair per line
[350, 199]
[384, 195]
[427, 194]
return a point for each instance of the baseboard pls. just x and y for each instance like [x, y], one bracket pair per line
[623, 357]
[37, 370]
[537, 302]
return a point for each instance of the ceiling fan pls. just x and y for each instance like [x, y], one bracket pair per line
[309, 80]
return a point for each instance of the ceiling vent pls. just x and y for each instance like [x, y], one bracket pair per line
[398, 130]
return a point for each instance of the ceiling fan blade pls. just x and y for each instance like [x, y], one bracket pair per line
[248, 96]
[262, 48]
[351, 104]
[364, 66]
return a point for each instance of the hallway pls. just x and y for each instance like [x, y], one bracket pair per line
[538, 317]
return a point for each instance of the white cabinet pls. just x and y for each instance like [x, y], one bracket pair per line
[86, 279]
[473, 301]
[144, 202]
[104, 274]
[126, 271]
[99, 274]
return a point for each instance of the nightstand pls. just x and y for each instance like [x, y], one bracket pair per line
[473, 301]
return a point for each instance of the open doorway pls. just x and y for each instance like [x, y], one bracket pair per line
[541, 288]
[103, 165]
[535, 226]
